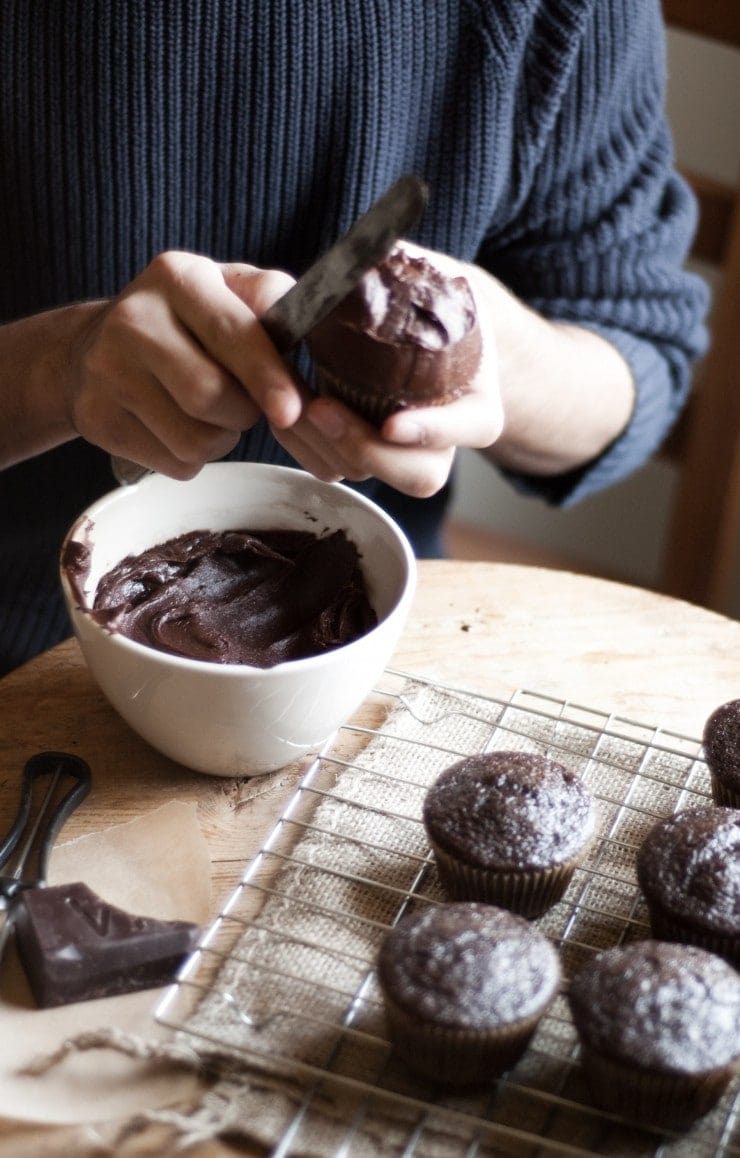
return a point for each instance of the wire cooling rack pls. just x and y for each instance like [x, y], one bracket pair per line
[284, 983]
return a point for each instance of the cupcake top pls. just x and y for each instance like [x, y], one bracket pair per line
[469, 966]
[659, 1006]
[407, 332]
[406, 300]
[516, 810]
[722, 743]
[689, 864]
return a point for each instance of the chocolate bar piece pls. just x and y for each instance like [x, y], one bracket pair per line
[74, 946]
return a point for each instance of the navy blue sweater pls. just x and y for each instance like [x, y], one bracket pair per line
[257, 130]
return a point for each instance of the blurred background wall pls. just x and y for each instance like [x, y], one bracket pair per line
[618, 534]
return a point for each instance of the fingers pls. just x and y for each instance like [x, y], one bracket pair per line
[258, 288]
[178, 365]
[172, 370]
[168, 441]
[465, 422]
[333, 442]
[219, 305]
[163, 452]
[415, 448]
[146, 351]
[311, 454]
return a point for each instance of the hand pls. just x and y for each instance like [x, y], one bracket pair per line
[415, 448]
[171, 371]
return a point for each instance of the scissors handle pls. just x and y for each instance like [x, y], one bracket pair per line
[38, 836]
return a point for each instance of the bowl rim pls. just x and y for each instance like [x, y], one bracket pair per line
[86, 518]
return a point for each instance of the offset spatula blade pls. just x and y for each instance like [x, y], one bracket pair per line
[330, 278]
[337, 272]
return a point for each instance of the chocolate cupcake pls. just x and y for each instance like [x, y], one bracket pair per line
[659, 1026]
[688, 868]
[407, 335]
[509, 828]
[722, 751]
[465, 986]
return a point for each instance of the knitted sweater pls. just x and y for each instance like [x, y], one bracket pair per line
[257, 130]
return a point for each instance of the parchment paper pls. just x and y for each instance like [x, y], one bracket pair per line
[156, 866]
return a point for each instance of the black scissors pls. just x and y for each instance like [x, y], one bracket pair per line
[24, 851]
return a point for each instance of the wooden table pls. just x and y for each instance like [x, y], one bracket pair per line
[488, 627]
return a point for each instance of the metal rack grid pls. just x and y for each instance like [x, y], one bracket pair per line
[284, 982]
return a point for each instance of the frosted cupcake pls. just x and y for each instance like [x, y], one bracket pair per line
[407, 335]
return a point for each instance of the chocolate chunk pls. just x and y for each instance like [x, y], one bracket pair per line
[75, 946]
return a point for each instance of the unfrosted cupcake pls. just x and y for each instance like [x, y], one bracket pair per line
[722, 751]
[688, 868]
[509, 828]
[465, 986]
[407, 335]
[659, 1026]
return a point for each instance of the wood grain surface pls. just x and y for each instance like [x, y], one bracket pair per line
[488, 627]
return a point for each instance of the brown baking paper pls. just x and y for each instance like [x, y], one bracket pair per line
[156, 866]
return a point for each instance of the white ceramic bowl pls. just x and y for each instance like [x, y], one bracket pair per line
[232, 719]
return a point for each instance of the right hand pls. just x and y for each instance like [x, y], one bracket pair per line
[172, 370]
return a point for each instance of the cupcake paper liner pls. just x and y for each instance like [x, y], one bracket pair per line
[665, 927]
[724, 794]
[529, 892]
[669, 1100]
[374, 407]
[458, 1057]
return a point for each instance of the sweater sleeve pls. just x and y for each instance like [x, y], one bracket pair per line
[603, 223]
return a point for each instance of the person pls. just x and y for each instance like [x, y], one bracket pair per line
[168, 170]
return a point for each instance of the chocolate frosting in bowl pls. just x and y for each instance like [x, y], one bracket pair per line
[243, 597]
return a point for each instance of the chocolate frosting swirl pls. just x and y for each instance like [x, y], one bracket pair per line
[407, 335]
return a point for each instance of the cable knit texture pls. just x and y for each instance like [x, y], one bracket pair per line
[257, 130]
